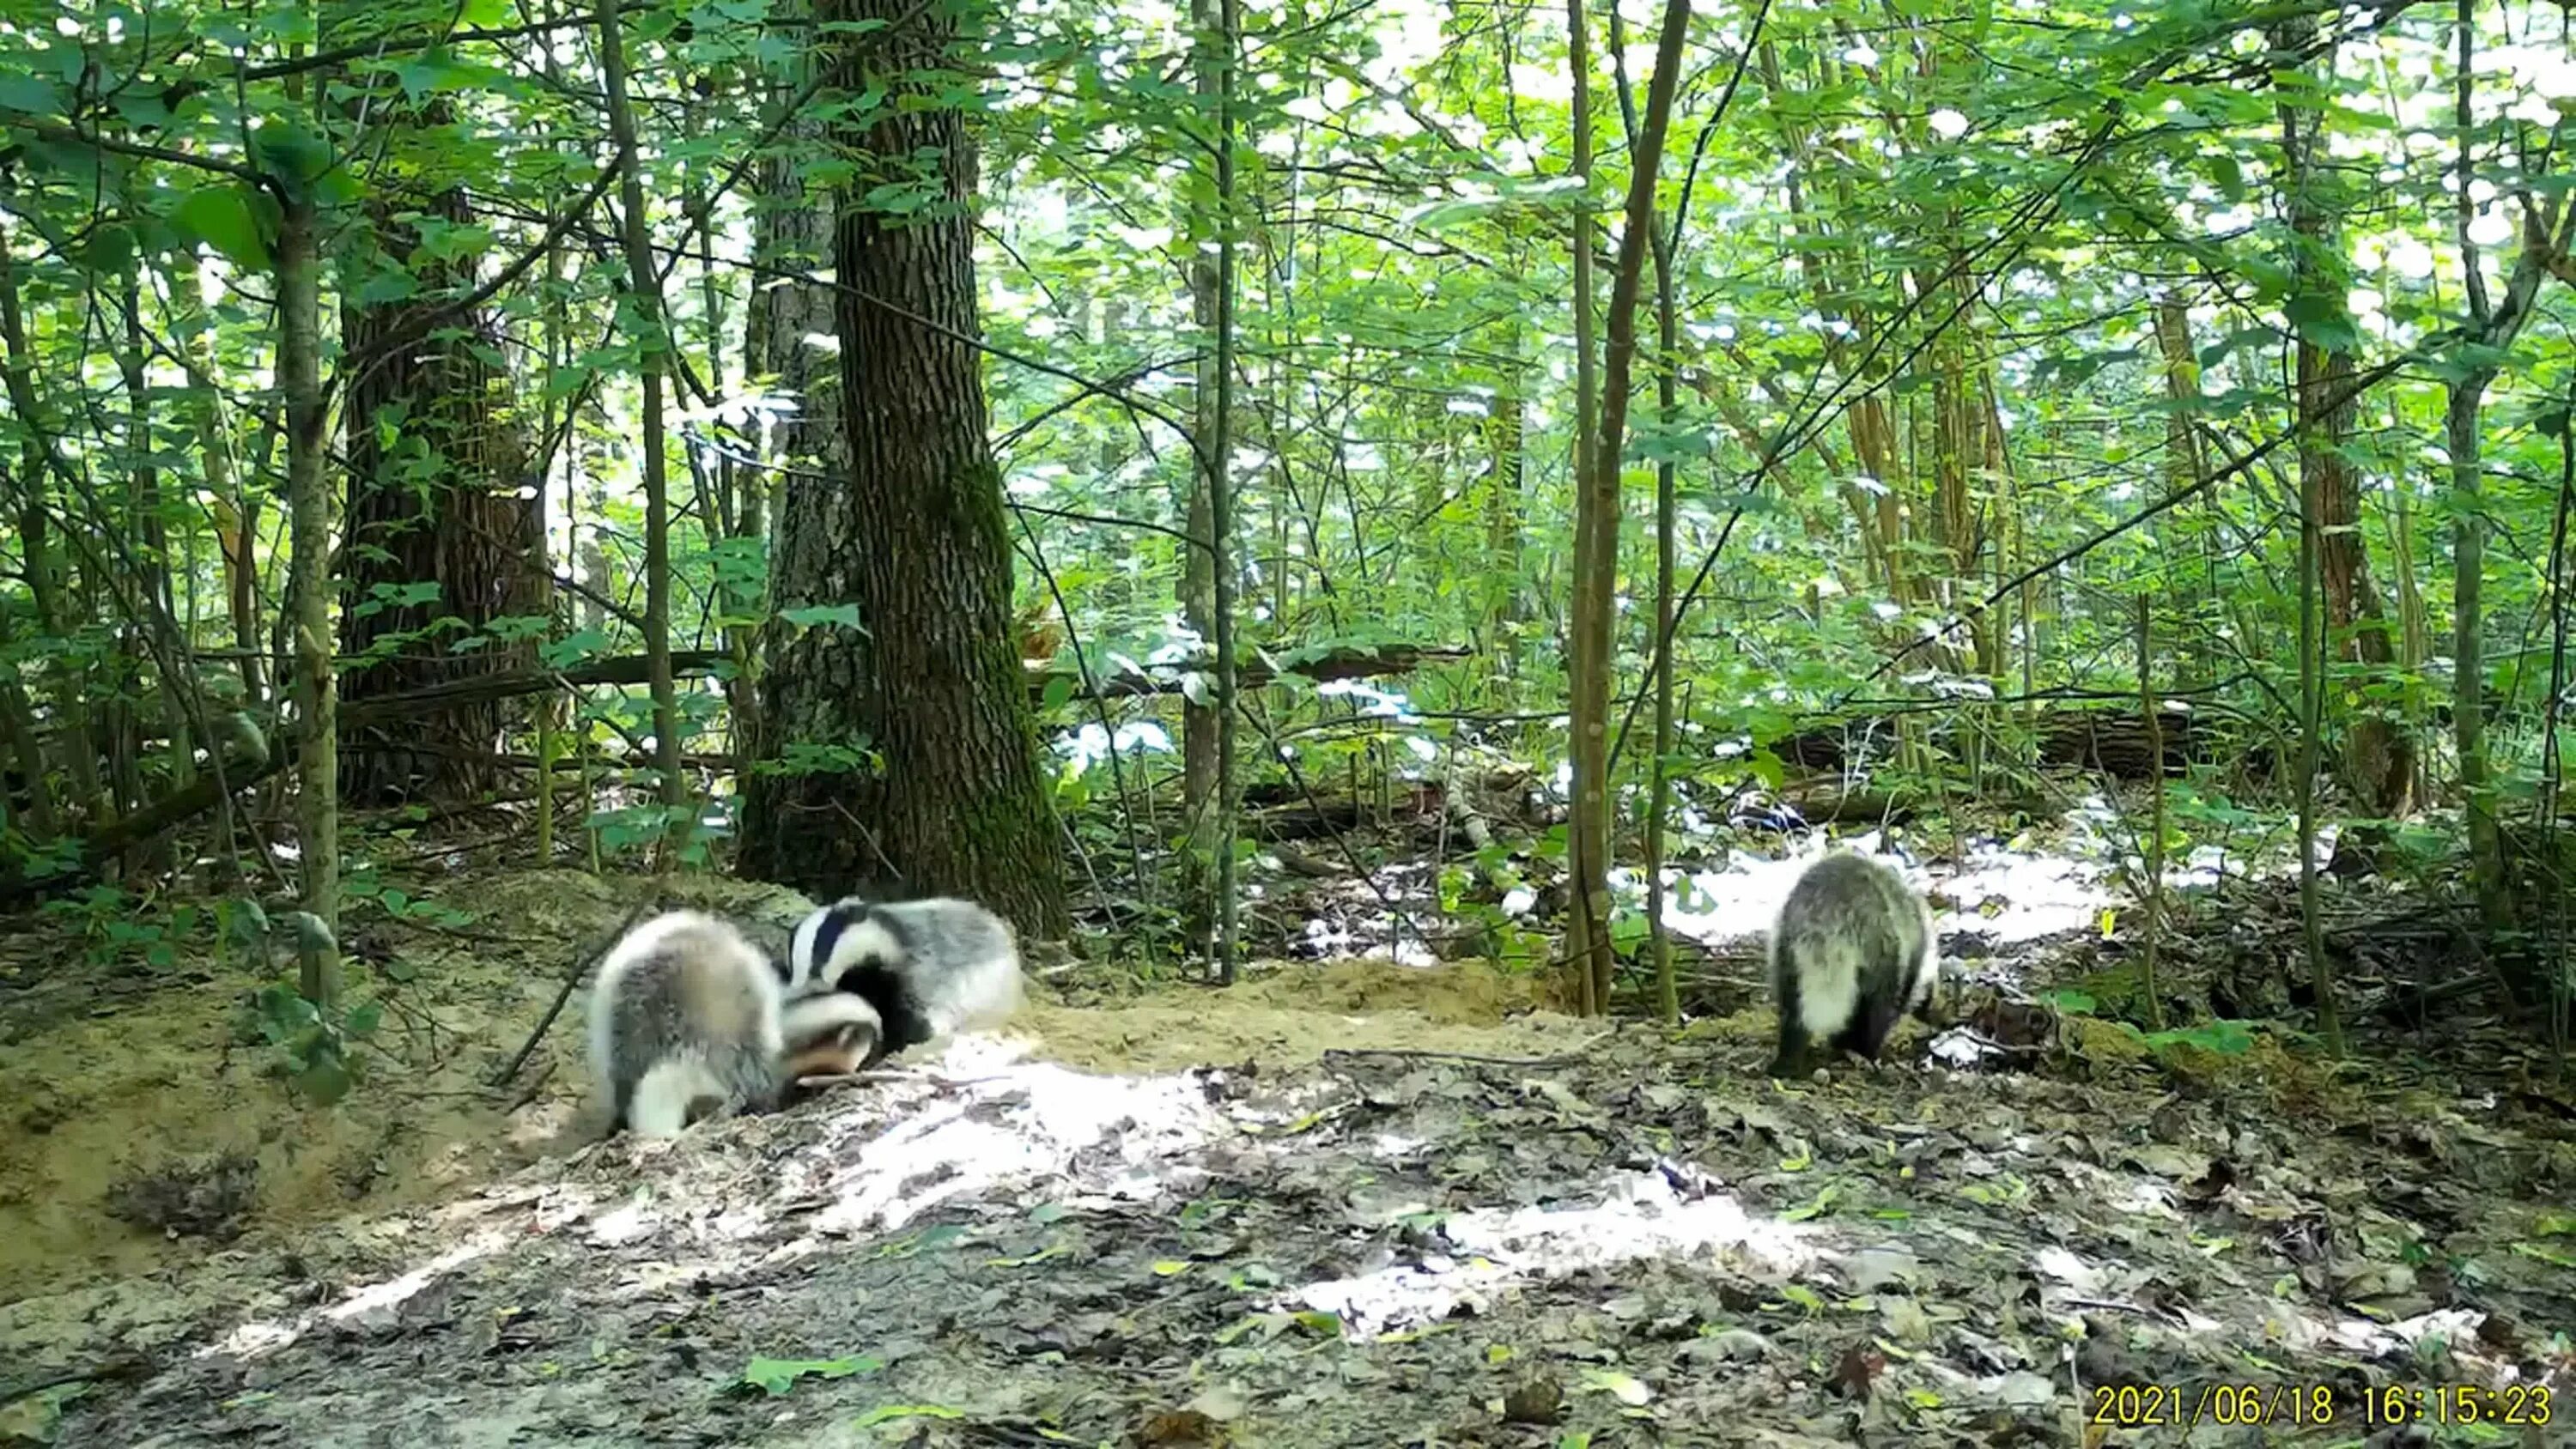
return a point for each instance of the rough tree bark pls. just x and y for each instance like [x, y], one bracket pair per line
[433, 496]
[791, 230]
[931, 681]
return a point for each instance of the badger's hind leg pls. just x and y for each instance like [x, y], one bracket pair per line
[1791, 1058]
[1870, 1025]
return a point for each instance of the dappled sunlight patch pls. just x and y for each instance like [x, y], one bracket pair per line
[376, 1306]
[989, 1119]
[2034, 895]
[2009, 892]
[378, 1301]
[1640, 1216]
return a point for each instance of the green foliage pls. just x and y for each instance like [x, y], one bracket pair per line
[316, 1051]
[361, 889]
[2223, 1038]
[777, 1376]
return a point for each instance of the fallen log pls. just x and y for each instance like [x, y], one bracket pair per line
[1254, 672]
[202, 795]
[1362, 662]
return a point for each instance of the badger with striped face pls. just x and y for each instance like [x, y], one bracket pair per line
[684, 1025]
[925, 968]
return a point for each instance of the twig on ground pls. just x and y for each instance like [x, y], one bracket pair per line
[580, 968]
[1566, 1059]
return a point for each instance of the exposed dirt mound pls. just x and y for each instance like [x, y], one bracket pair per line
[129, 1084]
[1297, 1014]
[148, 1132]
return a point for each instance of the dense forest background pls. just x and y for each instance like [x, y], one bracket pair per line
[996, 450]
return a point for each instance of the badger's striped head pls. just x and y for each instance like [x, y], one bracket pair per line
[833, 940]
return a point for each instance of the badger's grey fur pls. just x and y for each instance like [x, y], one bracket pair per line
[1853, 950]
[684, 1025]
[831, 1034]
[926, 967]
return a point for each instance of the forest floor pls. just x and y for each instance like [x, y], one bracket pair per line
[1343, 1204]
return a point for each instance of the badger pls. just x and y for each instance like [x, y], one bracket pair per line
[1853, 950]
[684, 1025]
[925, 968]
[829, 1034]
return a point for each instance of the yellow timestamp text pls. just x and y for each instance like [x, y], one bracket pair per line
[2140, 1406]
[2512, 1406]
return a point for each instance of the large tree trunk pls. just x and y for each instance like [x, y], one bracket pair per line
[434, 475]
[931, 681]
[791, 231]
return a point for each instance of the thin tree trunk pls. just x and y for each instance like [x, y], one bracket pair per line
[1587, 947]
[308, 501]
[646, 285]
[1596, 576]
[1220, 441]
[2152, 891]
[1667, 522]
[1200, 773]
[44, 570]
[2378, 758]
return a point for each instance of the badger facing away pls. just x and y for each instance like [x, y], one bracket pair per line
[926, 968]
[830, 1034]
[684, 1025]
[1853, 951]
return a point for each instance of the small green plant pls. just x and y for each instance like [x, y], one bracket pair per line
[314, 1049]
[400, 904]
[114, 926]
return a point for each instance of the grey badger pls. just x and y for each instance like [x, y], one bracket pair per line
[925, 968]
[684, 1025]
[1853, 951]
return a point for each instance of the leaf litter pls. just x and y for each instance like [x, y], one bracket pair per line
[1375, 1205]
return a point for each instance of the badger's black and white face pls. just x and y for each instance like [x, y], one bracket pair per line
[928, 967]
[836, 940]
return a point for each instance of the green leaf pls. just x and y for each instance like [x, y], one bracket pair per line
[30, 95]
[846, 615]
[223, 217]
[109, 248]
[2229, 174]
[566, 652]
[364, 1020]
[776, 1376]
[2322, 320]
[325, 1082]
[1059, 692]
